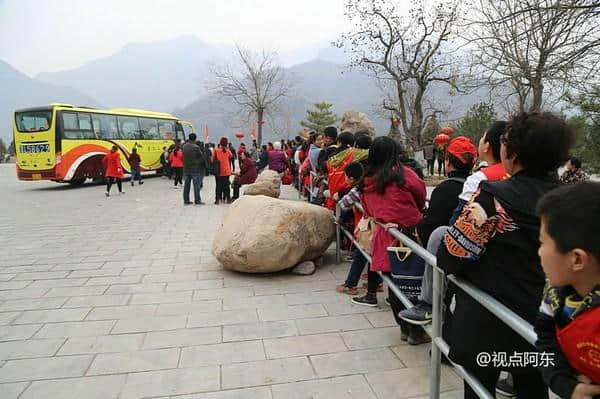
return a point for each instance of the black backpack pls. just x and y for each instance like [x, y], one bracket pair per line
[215, 167]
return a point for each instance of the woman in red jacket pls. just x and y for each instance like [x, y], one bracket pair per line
[176, 160]
[113, 169]
[392, 194]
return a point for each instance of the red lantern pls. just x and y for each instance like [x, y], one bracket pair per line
[239, 135]
[447, 130]
[441, 139]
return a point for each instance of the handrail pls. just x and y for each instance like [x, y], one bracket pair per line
[498, 309]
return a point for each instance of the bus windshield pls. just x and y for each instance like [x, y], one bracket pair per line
[33, 121]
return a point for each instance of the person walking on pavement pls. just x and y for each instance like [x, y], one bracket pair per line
[176, 160]
[193, 170]
[113, 170]
[134, 162]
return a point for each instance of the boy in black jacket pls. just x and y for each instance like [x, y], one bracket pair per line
[568, 324]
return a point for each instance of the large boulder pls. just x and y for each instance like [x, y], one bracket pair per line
[262, 234]
[267, 183]
[355, 122]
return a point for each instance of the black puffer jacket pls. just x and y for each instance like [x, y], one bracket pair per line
[494, 245]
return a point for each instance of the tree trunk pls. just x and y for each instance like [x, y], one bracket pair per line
[538, 92]
[260, 115]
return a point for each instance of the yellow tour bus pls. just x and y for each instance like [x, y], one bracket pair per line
[66, 143]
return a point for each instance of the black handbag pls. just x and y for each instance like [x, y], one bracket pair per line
[215, 167]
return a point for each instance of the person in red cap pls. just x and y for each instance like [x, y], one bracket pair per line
[461, 155]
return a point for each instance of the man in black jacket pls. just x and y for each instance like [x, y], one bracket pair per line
[194, 165]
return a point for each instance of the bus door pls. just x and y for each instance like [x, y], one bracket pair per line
[35, 143]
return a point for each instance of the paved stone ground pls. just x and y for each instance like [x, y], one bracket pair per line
[120, 298]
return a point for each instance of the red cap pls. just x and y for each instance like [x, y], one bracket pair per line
[462, 145]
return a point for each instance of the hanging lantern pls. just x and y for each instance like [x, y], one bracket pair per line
[239, 135]
[441, 139]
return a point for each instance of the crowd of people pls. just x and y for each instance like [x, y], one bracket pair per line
[503, 220]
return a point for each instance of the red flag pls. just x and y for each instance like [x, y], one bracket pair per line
[253, 133]
[206, 133]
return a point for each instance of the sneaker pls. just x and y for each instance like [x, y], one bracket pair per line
[348, 258]
[121, 192]
[131, 184]
[141, 182]
[364, 276]
[107, 194]
[418, 336]
[505, 387]
[420, 314]
[199, 203]
[346, 290]
[366, 300]
[187, 203]
[217, 202]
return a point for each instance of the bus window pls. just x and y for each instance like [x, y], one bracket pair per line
[105, 126]
[77, 125]
[85, 125]
[187, 128]
[166, 129]
[128, 127]
[149, 128]
[33, 121]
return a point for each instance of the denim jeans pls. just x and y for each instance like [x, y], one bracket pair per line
[135, 174]
[197, 180]
[358, 264]
[435, 240]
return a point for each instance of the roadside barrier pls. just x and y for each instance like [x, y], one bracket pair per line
[439, 345]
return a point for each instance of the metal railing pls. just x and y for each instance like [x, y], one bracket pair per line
[440, 346]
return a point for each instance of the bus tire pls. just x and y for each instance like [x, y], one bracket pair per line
[77, 182]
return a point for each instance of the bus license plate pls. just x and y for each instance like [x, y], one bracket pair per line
[34, 148]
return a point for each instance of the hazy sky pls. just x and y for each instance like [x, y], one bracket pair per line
[49, 35]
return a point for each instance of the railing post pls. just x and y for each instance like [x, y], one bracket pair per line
[338, 234]
[436, 331]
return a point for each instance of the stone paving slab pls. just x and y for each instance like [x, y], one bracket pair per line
[120, 297]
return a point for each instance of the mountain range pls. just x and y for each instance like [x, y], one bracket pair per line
[171, 76]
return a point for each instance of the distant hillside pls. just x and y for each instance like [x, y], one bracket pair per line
[20, 91]
[157, 76]
[169, 76]
[315, 81]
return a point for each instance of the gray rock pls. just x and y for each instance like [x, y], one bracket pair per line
[304, 268]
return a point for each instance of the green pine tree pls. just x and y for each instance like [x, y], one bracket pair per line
[3, 149]
[11, 148]
[478, 118]
[320, 118]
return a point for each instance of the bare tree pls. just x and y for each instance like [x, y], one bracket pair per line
[254, 82]
[408, 52]
[533, 50]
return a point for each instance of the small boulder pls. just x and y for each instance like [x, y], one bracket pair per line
[304, 268]
[262, 234]
[267, 183]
